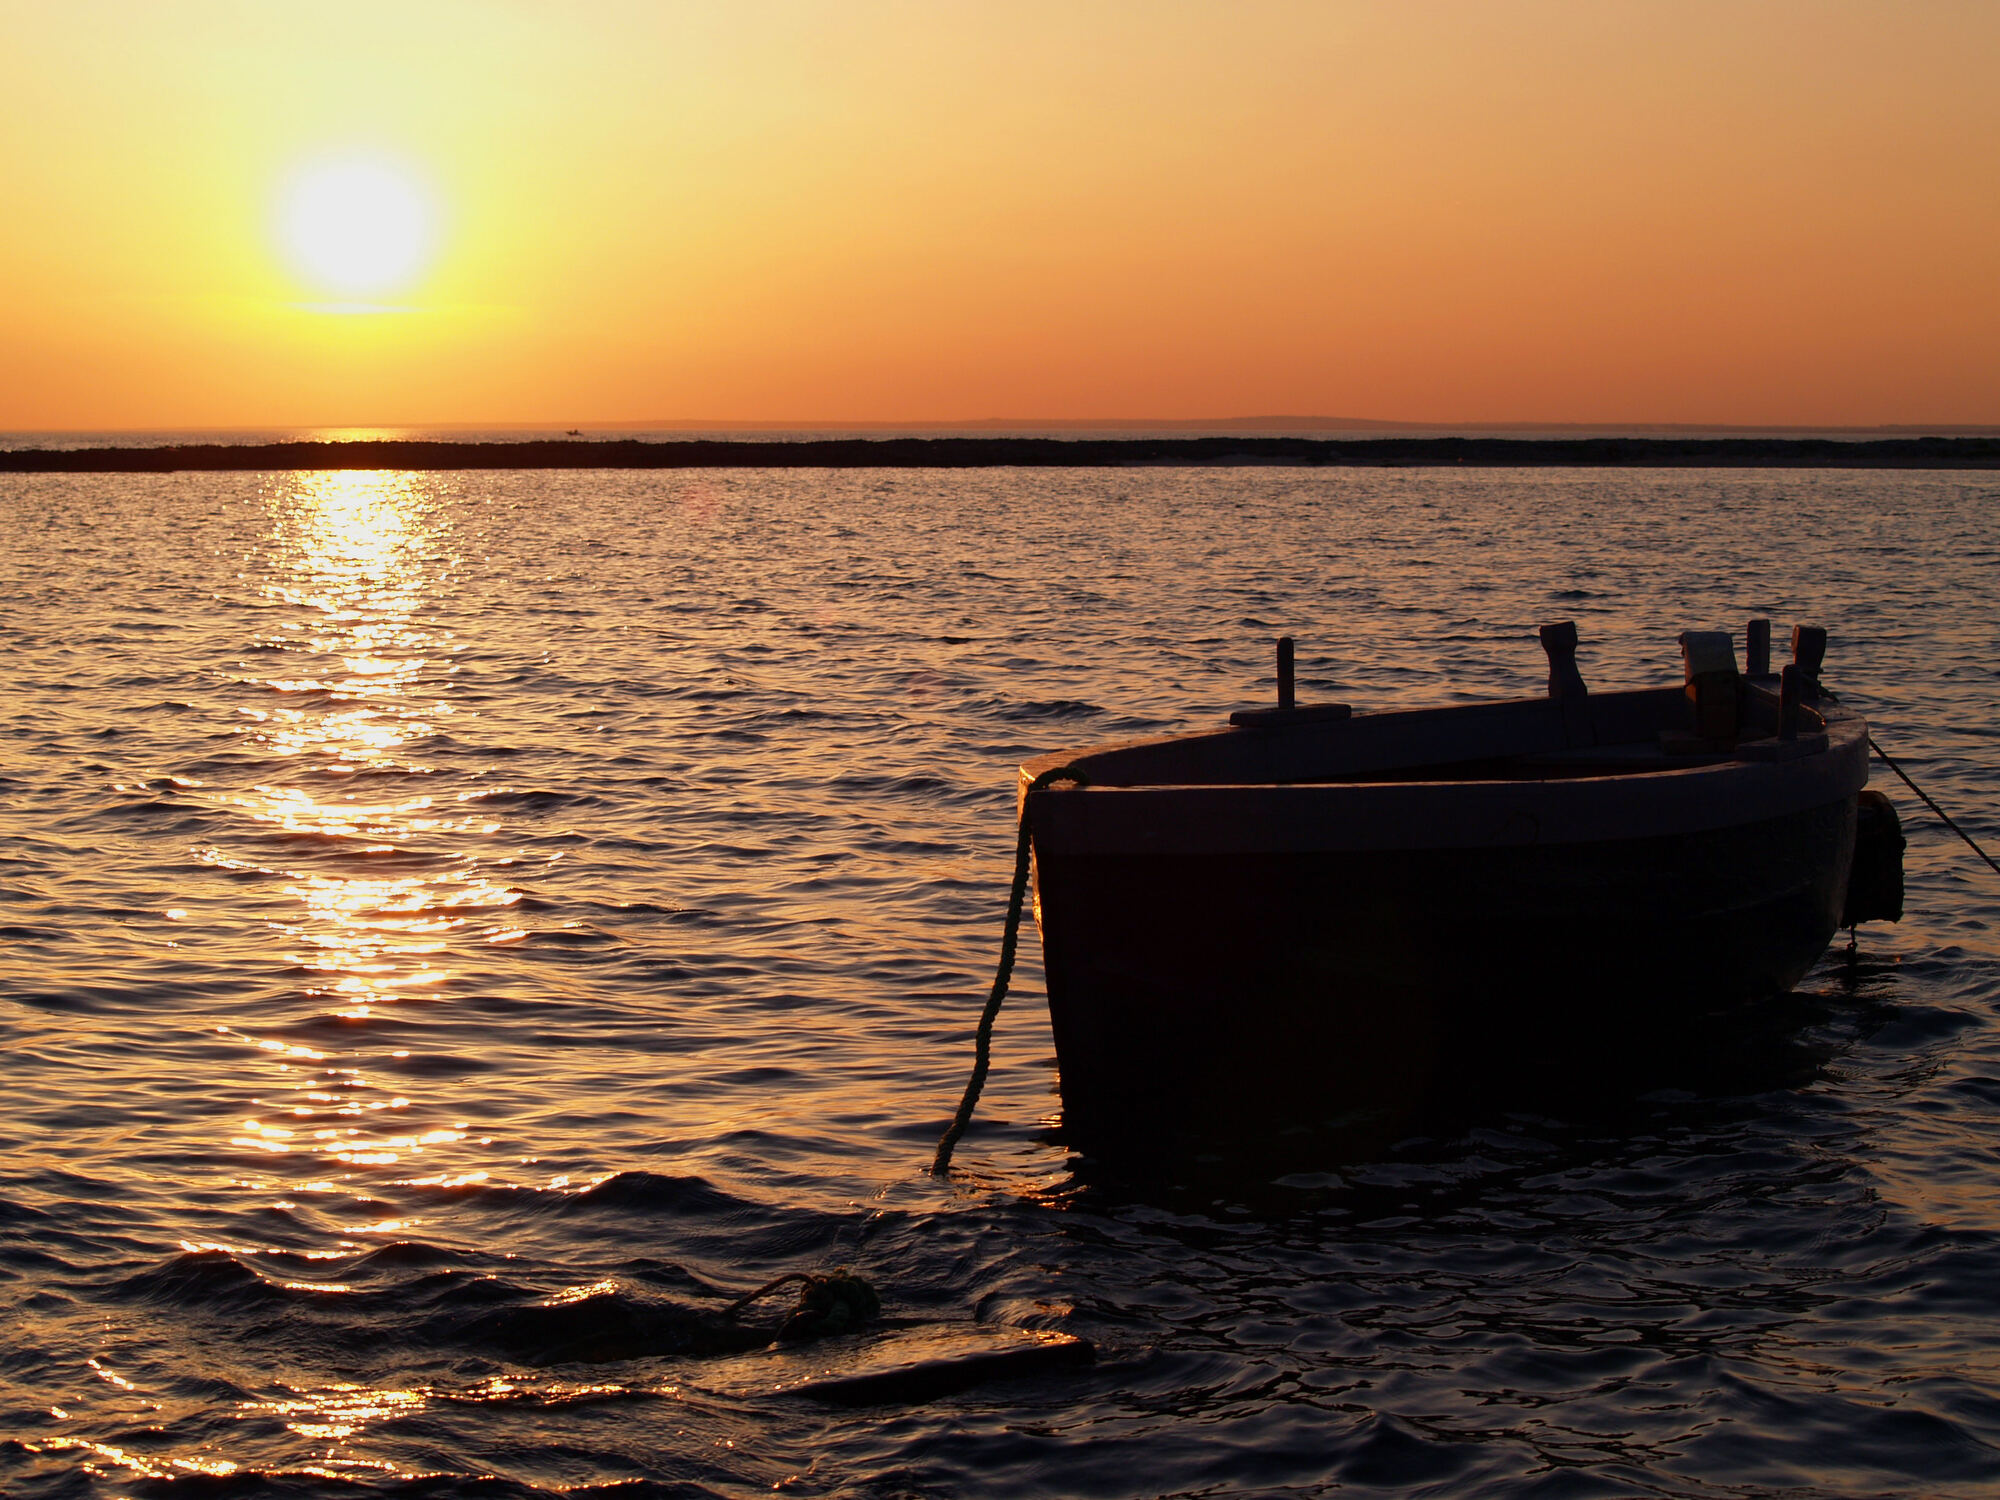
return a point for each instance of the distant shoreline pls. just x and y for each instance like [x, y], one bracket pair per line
[1025, 452]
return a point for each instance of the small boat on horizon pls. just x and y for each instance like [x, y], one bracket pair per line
[1314, 910]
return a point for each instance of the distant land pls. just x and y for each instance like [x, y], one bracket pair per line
[770, 431]
[1299, 424]
[1931, 451]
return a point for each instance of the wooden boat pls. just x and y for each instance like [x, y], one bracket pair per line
[1314, 909]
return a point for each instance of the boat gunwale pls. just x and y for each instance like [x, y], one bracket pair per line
[1334, 816]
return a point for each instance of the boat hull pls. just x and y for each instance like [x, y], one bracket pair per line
[1218, 989]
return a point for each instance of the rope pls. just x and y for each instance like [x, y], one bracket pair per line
[983, 1043]
[1943, 817]
[770, 1286]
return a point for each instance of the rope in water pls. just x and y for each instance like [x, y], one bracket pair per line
[770, 1286]
[1010, 940]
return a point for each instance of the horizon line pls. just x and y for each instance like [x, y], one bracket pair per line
[1223, 425]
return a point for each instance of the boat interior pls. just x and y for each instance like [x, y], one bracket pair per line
[1600, 734]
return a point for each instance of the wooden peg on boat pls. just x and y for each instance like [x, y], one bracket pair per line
[1559, 641]
[1288, 714]
[1713, 686]
[1757, 648]
[1788, 702]
[1808, 651]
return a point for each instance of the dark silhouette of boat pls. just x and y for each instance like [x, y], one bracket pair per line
[1314, 910]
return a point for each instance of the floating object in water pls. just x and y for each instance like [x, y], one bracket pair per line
[830, 1302]
[923, 1368]
[902, 1366]
[608, 1323]
[1314, 910]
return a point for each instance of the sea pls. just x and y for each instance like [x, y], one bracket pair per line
[460, 931]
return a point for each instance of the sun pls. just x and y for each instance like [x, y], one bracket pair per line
[357, 227]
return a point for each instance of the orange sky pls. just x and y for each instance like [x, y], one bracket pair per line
[1594, 211]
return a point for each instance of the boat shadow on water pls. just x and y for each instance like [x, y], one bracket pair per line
[1426, 1098]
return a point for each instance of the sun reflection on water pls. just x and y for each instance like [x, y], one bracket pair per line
[338, 1412]
[357, 551]
[357, 681]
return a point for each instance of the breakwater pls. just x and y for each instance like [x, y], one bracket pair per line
[1023, 452]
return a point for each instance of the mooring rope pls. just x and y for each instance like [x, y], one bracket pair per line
[1890, 761]
[1943, 817]
[1009, 941]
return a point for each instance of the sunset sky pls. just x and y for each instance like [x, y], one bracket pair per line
[436, 211]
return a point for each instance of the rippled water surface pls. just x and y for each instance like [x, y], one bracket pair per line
[456, 929]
